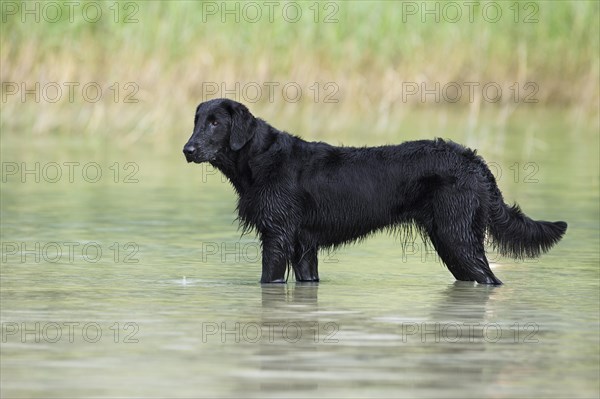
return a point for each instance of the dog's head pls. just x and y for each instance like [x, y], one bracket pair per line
[220, 125]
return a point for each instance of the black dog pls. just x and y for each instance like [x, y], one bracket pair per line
[302, 196]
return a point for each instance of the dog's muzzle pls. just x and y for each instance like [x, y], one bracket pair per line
[197, 154]
[190, 153]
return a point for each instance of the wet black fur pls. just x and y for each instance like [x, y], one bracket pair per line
[304, 196]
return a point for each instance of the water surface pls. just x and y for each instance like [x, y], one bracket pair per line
[159, 295]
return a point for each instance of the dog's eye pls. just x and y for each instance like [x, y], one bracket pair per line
[214, 123]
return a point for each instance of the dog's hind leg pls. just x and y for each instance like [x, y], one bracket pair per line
[464, 262]
[457, 233]
[305, 262]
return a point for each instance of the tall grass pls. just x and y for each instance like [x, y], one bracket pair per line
[368, 55]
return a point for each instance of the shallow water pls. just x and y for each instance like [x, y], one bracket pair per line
[147, 289]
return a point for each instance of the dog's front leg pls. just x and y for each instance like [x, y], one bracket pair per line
[276, 257]
[305, 263]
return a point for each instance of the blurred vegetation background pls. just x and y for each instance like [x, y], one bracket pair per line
[359, 53]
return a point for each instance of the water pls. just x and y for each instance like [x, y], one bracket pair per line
[146, 289]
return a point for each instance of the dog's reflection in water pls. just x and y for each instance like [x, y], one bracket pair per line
[290, 331]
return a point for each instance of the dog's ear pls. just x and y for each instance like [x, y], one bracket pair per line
[241, 126]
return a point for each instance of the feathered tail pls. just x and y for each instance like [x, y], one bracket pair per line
[513, 233]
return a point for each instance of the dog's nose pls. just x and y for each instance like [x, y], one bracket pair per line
[189, 150]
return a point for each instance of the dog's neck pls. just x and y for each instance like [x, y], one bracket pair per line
[228, 165]
[236, 166]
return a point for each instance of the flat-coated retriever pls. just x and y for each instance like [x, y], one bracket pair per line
[302, 196]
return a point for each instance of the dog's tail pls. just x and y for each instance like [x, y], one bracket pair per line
[513, 233]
